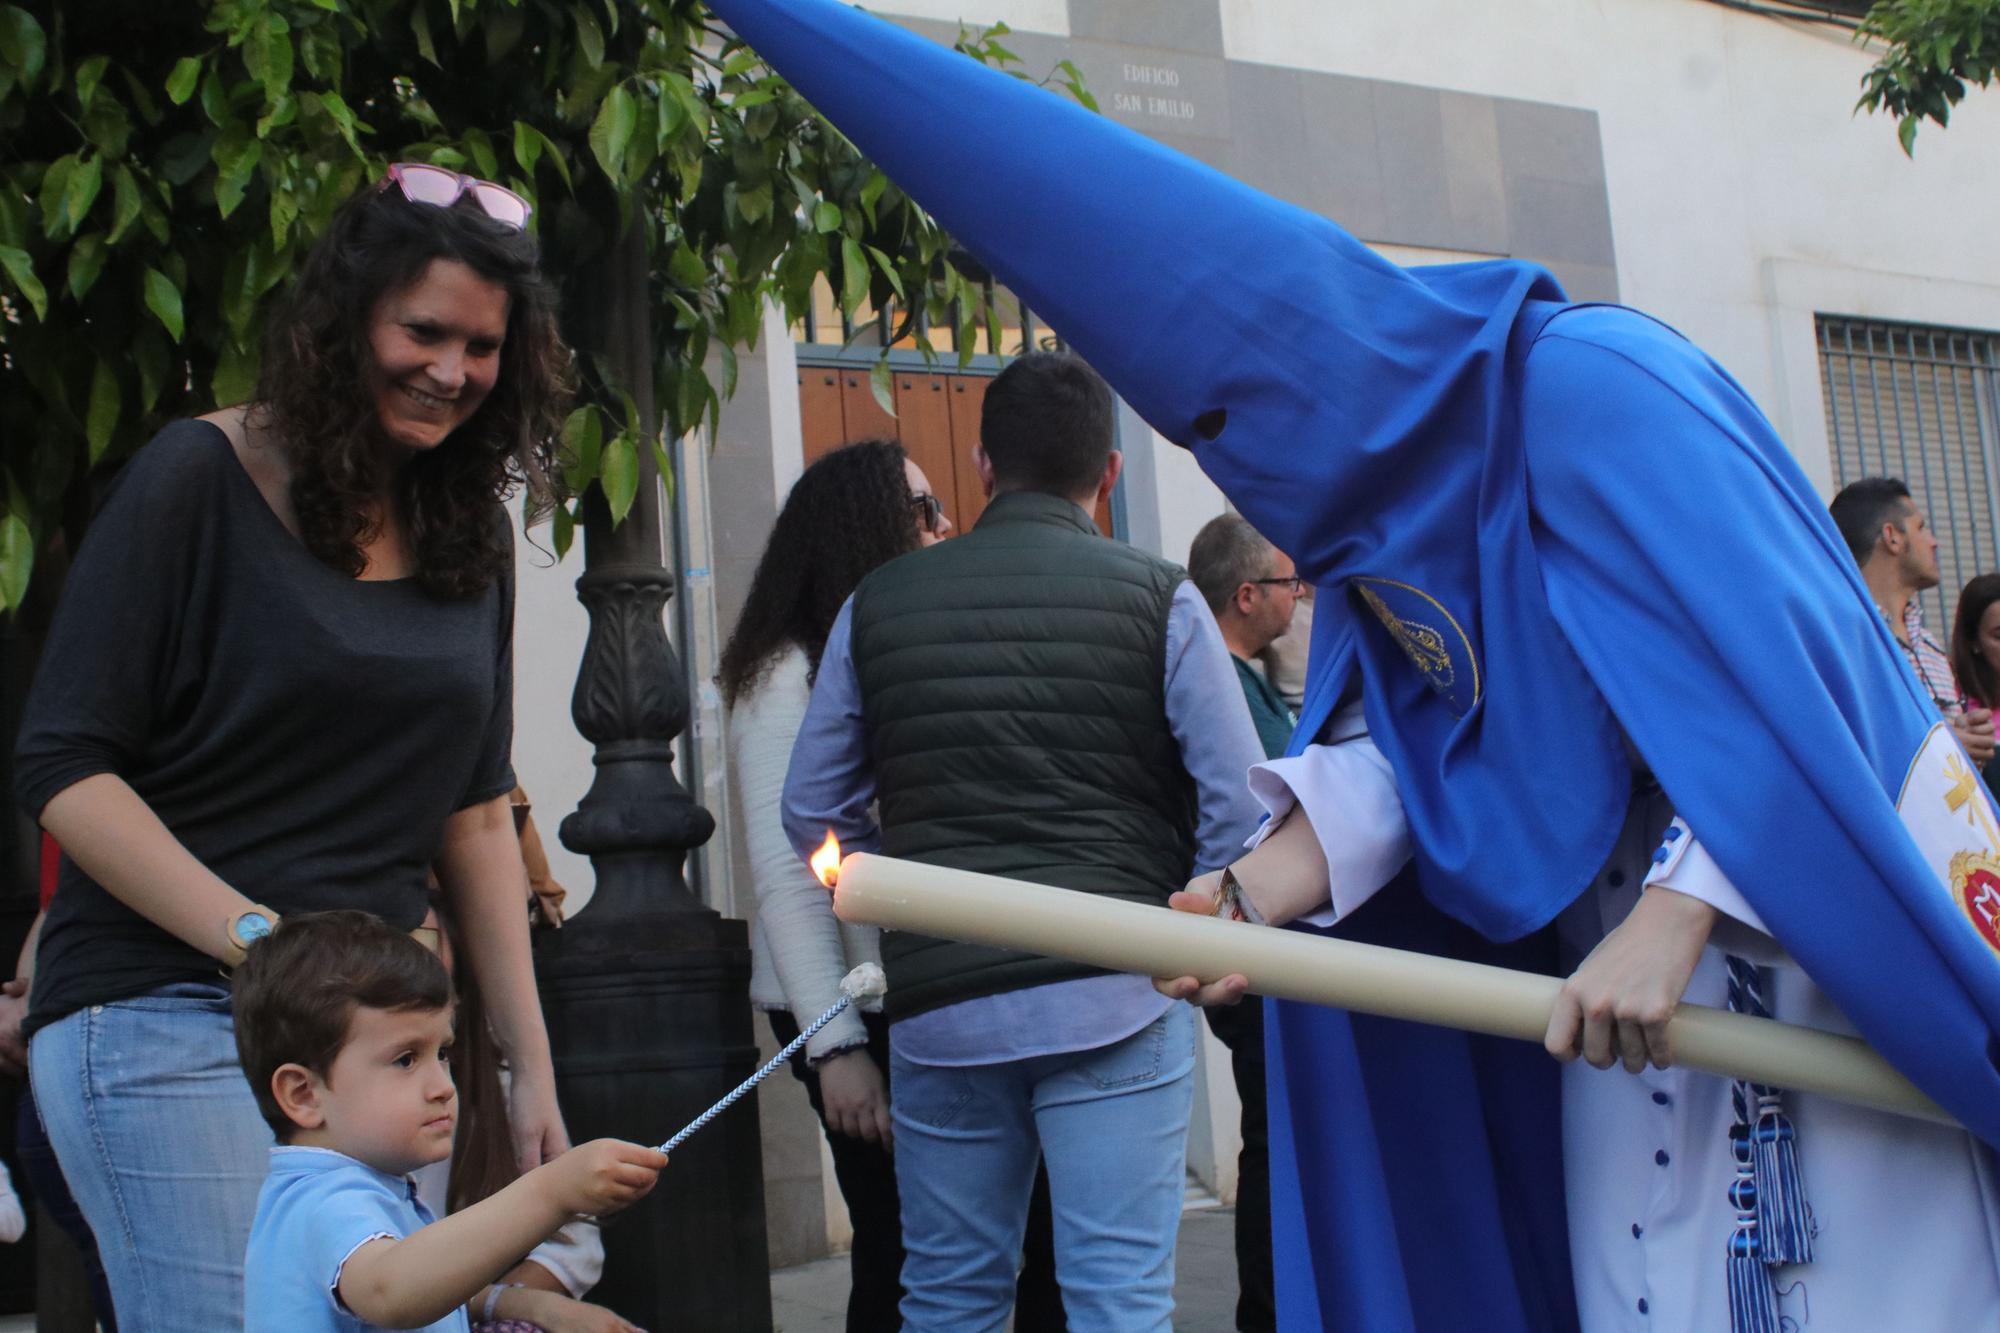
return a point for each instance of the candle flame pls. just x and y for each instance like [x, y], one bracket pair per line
[826, 861]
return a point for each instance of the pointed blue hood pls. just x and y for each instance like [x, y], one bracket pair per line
[1312, 378]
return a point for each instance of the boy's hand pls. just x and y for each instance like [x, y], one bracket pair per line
[605, 1175]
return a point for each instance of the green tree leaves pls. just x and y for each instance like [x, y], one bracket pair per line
[161, 182]
[1933, 49]
[611, 133]
[164, 300]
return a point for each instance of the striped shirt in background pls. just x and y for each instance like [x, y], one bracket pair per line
[1929, 660]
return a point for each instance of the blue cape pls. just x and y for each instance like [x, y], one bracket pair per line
[1536, 526]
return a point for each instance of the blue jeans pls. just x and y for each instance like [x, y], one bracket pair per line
[1111, 1124]
[160, 1139]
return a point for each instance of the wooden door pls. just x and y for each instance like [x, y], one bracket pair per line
[936, 421]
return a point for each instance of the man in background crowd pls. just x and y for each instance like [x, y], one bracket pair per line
[1032, 700]
[1253, 590]
[1893, 543]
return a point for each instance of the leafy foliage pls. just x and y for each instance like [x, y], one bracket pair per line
[1935, 48]
[164, 165]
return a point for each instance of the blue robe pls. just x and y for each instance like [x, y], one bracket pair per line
[1538, 529]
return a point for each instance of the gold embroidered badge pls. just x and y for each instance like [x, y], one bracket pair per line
[1429, 648]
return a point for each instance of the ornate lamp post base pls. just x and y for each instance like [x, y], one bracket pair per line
[650, 1026]
[646, 991]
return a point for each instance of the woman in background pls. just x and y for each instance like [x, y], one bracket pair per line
[1975, 651]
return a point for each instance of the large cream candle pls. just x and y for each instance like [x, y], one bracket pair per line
[1151, 941]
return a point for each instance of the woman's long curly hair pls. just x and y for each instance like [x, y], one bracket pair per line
[851, 512]
[1976, 679]
[314, 399]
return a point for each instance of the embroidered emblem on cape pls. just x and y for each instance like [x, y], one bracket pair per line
[1975, 887]
[1429, 637]
[1951, 818]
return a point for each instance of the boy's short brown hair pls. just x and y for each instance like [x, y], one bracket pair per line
[297, 991]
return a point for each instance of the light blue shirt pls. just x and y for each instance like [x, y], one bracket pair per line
[316, 1209]
[831, 785]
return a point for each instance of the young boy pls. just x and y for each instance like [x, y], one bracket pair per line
[343, 1025]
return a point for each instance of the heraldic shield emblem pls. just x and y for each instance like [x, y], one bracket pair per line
[1951, 818]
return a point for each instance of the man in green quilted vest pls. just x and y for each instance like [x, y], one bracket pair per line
[1036, 701]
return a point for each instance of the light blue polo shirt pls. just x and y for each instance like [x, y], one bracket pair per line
[318, 1207]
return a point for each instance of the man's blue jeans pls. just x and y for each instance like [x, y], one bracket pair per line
[159, 1136]
[1112, 1125]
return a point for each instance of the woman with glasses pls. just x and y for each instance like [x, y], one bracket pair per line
[855, 509]
[280, 680]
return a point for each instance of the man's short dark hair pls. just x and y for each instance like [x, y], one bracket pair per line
[297, 991]
[1863, 506]
[1046, 425]
[1227, 553]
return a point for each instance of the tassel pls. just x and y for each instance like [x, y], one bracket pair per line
[1753, 1306]
[1753, 1303]
[1784, 1218]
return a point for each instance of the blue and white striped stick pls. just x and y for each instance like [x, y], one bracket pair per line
[863, 983]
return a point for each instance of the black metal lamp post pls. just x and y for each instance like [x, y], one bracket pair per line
[646, 991]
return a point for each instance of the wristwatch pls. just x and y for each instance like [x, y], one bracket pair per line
[244, 929]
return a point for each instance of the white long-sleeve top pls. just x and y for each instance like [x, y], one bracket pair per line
[799, 950]
[1908, 1213]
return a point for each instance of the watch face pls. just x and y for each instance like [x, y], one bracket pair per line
[251, 927]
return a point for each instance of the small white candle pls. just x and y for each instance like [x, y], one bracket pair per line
[1343, 974]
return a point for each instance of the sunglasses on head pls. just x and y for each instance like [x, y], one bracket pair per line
[441, 187]
[929, 510]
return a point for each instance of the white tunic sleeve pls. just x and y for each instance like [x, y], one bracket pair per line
[1684, 865]
[1348, 790]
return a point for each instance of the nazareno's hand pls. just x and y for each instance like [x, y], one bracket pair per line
[1615, 1008]
[1199, 898]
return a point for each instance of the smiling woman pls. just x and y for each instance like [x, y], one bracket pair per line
[435, 353]
[281, 681]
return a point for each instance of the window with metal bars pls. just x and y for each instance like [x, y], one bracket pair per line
[1923, 404]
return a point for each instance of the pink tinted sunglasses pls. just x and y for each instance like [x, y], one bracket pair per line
[422, 183]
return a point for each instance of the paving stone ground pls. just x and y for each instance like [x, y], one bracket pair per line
[812, 1298]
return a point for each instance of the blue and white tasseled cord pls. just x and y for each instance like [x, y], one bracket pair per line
[862, 984]
[1774, 1223]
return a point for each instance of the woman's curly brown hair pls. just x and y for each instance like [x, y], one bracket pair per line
[851, 512]
[313, 395]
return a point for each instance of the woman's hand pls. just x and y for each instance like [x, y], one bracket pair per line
[1199, 897]
[555, 1313]
[13, 1009]
[856, 1098]
[539, 1135]
[1615, 1008]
